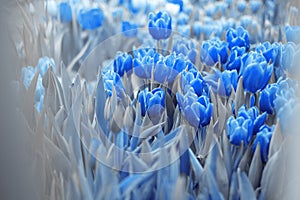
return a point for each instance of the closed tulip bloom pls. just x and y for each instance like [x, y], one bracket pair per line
[152, 102]
[90, 19]
[65, 12]
[256, 72]
[213, 51]
[123, 63]
[238, 37]
[197, 111]
[112, 79]
[263, 138]
[267, 97]
[239, 130]
[160, 25]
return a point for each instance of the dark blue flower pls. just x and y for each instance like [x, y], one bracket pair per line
[263, 138]
[237, 57]
[152, 102]
[112, 80]
[196, 110]
[256, 72]
[160, 25]
[267, 97]
[123, 63]
[129, 29]
[213, 51]
[65, 12]
[192, 78]
[227, 80]
[269, 51]
[246, 124]
[292, 33]
[90, 19]
[239, 130]
[238, 37]
[144, 61]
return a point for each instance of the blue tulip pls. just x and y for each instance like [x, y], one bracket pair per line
[65, 12]
[292, 33]
[112, 79]
[255, 6]
[238, 37]
[123, 63]
[256, 68]
[167, 69]
[144, 61]
[160, 25]
[241, 6]
[263, 138]
[27, 75]
[152, 103]
[90, 19]
[186, 48]
[269, 51]
[192, 78]
[237, 58]
[129, 29]
[196, 110]
[228, 80]
[267, 97]
[246, 124]
[213, 51]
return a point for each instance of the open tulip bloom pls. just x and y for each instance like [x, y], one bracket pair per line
[160, 99]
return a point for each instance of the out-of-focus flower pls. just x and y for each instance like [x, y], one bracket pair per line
[123, 63]
[291, 58]
[152, 102]
[112, 80]
[238, 37]
[241, 5]
[90, 19]
[65, 12]
[267, 97]
[269, 51]
[237, 57]
[27, 75]
[263, 138]
[196, 110]
[179, 2]
[292, 33]
[255, 5]
[228, 80]
[192, 78]
[160, 25]
[144, 61]
[129, 29]
[256, 68]
[213, 51]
